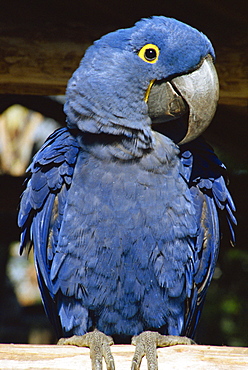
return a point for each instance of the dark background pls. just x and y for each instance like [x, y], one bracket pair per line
[225, 318]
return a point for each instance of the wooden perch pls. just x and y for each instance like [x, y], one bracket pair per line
[13, 356]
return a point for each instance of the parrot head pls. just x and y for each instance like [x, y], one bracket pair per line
[156, 76]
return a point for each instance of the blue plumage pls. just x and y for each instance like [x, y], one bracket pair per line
[124, 223]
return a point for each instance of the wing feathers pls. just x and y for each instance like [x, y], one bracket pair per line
[205, 176]
[42, 206]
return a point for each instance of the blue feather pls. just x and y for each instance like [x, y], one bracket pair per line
[124, 223]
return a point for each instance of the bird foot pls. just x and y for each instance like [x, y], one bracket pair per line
[99, 345]
[146, 344]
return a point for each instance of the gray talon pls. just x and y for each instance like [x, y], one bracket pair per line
[99, 345]
[146, 344]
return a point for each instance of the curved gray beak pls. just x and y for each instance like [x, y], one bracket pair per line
[195, 94]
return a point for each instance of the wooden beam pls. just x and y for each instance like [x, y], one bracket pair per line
[43, 67]
[39, 67]
[16, 356]
[231, 65]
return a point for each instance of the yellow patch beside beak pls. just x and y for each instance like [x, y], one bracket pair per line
[148, 90]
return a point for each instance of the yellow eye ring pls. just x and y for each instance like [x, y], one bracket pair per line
[149, 53]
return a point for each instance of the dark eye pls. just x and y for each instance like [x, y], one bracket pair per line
[149, 53]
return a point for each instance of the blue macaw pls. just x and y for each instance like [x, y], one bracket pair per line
[122, 206]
